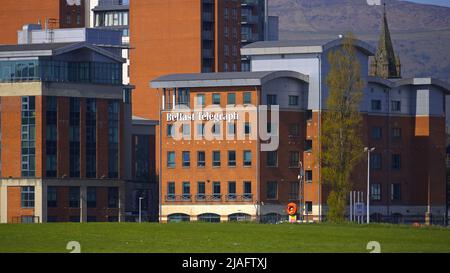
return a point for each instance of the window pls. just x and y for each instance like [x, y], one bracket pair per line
[395, 192]
[247, 128]
[308, 145]
[294, 159]
[171, 191]
[51, 136]
[294, 129]
[272, 190]
[201, 190]
[142, 149]
[272, 159]
[113, 197]
[294, 191]
[27, 197]
[186, 130]
[308, 207]
[247, 158]
[396, 162]
[216, 99]
[231, 99]
[376, 133]
[376, 105]
[293, 100]
[247, 97]
[216, 128]
[200, 130]
[171, 159]
[113, 139]
[74, 197]
[308, 176]
[216, 190]
[170, 133]
[216, 159]
[247, 190]
[231, 158]
[201, 100]
[396, 133]
[231, 128]
[52, 196]
[226, 49]
[74, 137]
[231, 190]
[271, 99]
[309, 115]
[91, 138]
[28, 133]
[375, 192]
[396, 105]
[91, 197]
[201, 159]
[186, 191]
[186, 159]
[375, 161]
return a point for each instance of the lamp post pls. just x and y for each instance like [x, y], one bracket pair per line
[368, 151]
[140, 209]
[300, 177]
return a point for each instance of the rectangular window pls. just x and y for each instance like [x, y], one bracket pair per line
[375, 161]
[171, 159]
[247, 190]
[247, 97]
[231, 190]
[170, 133]
[74, 137]
[308, 207]
[91, 138]
[272, 159]
[376, 133]
[272, 190]
[27, 197]
[113, 197]
[186, 190]
[376, 105]
[200, 130]
[216, 159]
[216, 99]
[186, 130]
[396, 162]
[91, 197]
[231, 99]
[247, 128]
[28, 134]
[231, 128]
[309, 115]
[186, 159]
[294, 129]
[113, 139]
[308, 176]
[201, 100]
[308, 145]
[231, 158]
[171, 191]
[51, 136]
[293, 100]
[216, 190]
[294, 159]
[396, 133]
[271, 99]
[216, 128]
[201, 159]
[396, 105]
[375, 192]
[247, 158]
[294, 191]
[74, 197]
[201, 190]
[395, 192]
[52, 195]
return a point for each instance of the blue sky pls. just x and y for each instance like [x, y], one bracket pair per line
[445, 3]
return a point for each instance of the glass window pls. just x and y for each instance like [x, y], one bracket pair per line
[28, 135]
[216, 98]
[396, 162]
[271, 99]
[375, 161]
[376, 105]
[201, 159]
[247, 158]
[91, 197]
[170, 128]
[52, 196]
[272, 190]
[201, 100]
[201, 190]
[170, 190]
[27, 197]
[231, 128]
[308, 176]
[308, 207]
[247, 97]
[247, 189]
[308, 145]
[200, 130]
[395, 192]
[375, 192]
[113, 139]
[247, 128]
[376, 133]
[171, 159]
[91, 138]
[309, 115]
[186, 130]
[216, 128]
[216, 158]
[294, 159]
[272, 159]
[396, 133]
[186, 159]
[186, 190]
[293, 100]
[294, 191]
[113, 197]
[232, 158]
[231, 190]
[216, 189]
[294, 129]
[396, 105]
[74, 137]
[74, 197]
[231, 98]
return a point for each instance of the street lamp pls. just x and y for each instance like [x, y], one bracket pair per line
[368, 151]
[300, 177]
[140, 209]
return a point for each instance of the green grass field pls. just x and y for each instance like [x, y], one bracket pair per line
[226, 237]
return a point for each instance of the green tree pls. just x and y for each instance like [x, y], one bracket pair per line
[342, 146]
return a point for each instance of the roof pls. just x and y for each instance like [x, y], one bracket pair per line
[222, 79]
[137, 120]
[51, 49]
[411, 81]
[300, 47]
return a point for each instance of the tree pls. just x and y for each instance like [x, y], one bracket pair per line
[342, 146]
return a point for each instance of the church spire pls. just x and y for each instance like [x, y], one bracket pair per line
[385, 64]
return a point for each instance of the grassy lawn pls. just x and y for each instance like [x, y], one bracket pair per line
[226, 237]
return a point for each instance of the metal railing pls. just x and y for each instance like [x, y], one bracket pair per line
[210, 198]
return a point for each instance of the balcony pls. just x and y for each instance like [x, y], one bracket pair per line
[210, 198]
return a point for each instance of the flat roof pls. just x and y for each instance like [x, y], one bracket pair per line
[222, 79]
[301, 47]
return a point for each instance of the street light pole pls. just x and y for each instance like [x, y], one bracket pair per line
[300, 189]
[368, 151]
[140, 209]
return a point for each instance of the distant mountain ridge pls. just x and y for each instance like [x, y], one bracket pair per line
[421, 33]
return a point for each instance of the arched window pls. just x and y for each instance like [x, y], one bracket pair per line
[239, 217]
[209, 217]
[178, 217]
